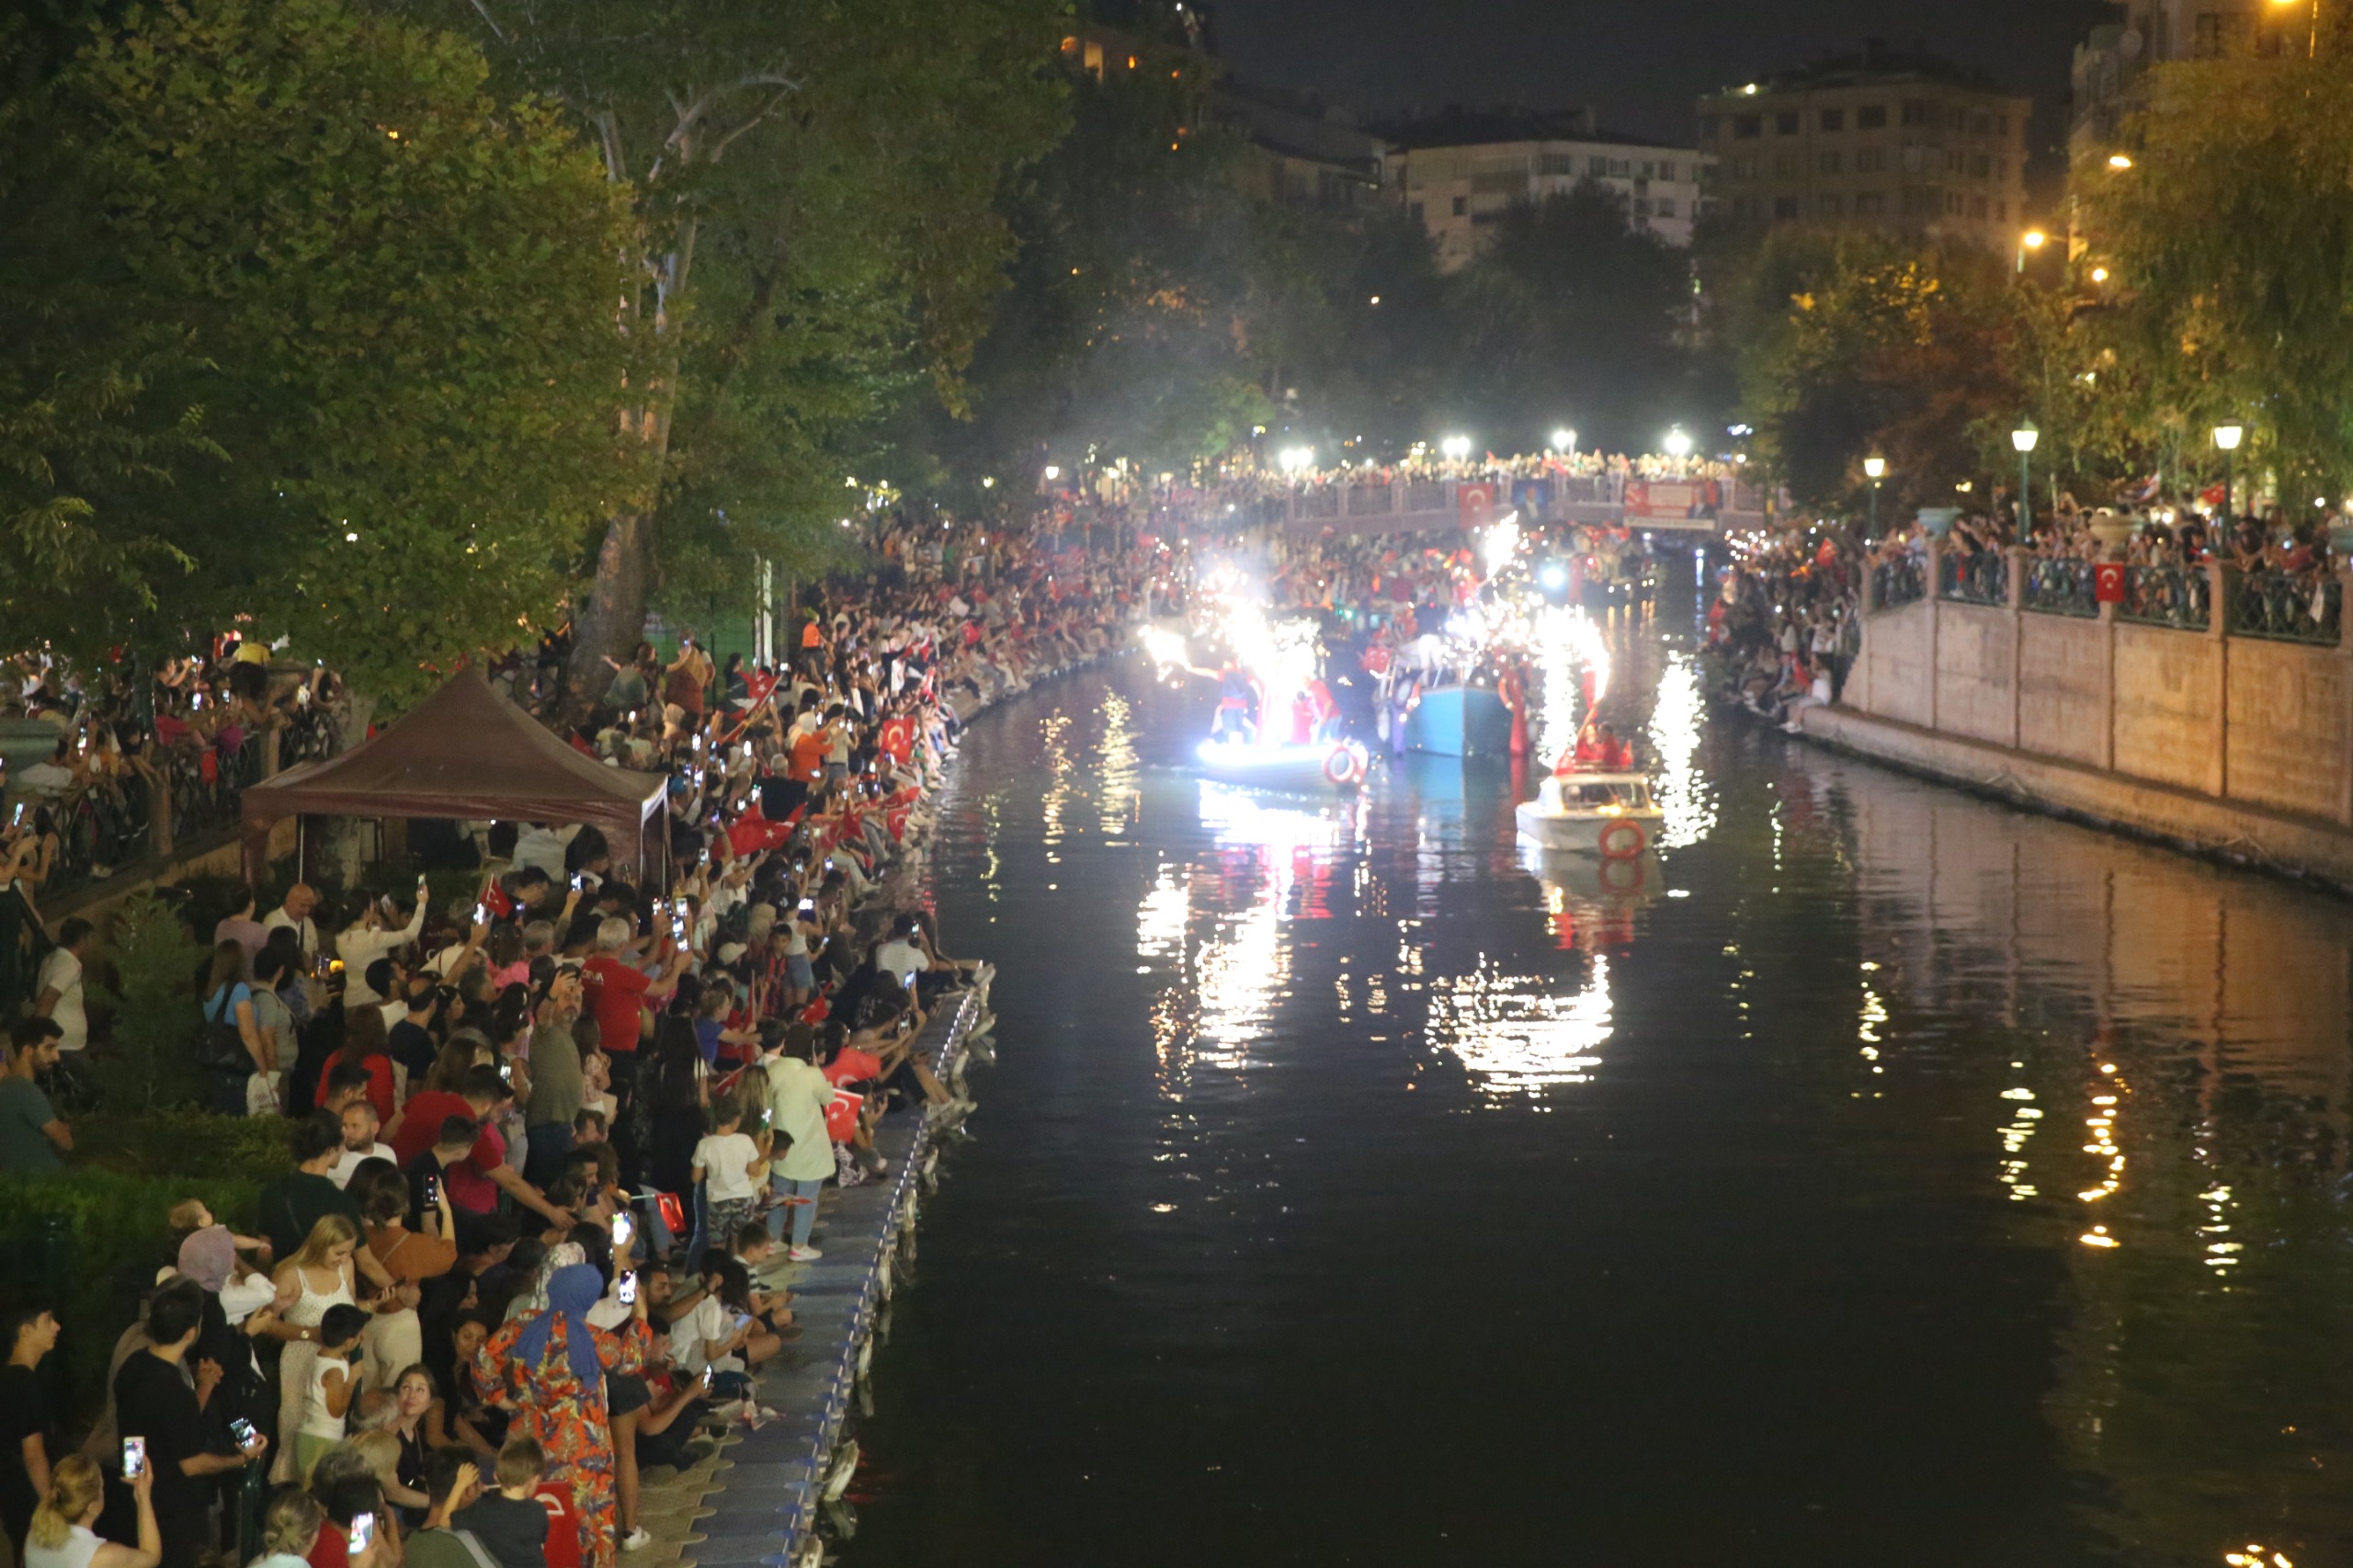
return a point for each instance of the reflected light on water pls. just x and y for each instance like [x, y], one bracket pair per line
[1513, 1038]
[1681, 788]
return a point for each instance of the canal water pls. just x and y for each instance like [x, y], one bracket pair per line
[1873, 1175]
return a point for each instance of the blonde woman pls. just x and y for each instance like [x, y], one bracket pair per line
[61, 1536]
[289, 1529]
[318, 1277]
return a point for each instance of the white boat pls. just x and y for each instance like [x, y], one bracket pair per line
[1313, 767]
[1611, 814]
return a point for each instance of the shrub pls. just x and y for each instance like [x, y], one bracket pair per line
[86, 1243]
[151, 1063]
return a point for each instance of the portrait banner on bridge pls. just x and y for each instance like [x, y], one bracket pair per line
[1658, 500]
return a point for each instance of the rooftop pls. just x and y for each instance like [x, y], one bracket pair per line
[1458, 126]
[1874, 65]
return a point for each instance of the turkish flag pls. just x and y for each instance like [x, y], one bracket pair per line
[757, 685]
[1474, 504]
[898, 738]
[2107, 582]
[751, 832]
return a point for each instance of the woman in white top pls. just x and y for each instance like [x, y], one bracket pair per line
[319, 1277]
[61, 1536]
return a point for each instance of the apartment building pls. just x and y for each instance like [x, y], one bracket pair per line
[1461, 172]
[1907, 143]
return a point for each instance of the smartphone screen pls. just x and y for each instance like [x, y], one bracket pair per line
[243, 1431]
[363, 1532]
[481, 913]
[134, 1458]
[808, 905]
[623, 1230]
[629, 1289]
[432, 1190]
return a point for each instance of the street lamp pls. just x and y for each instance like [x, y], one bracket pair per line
[1565, 440]
[2119, 162]
[2033, 239]
[1456, 447]
[2023, 439]
[2311, 46]
[1677, 444]
[1294, 459]
[2227, 436]
[1875, 469]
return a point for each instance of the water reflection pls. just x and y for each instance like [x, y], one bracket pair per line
[1514, 1034]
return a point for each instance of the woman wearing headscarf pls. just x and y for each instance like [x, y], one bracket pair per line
[549, 1370]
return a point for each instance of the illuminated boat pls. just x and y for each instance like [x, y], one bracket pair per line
[1318, 766]
[1611, 814]
[1459, 721]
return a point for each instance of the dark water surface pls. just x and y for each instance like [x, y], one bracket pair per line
[1352, 1191]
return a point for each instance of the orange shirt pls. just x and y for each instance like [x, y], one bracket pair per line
[809, 755]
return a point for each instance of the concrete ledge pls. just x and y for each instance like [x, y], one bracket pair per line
[2303, 848]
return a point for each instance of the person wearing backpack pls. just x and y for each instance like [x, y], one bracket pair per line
[229, 1043]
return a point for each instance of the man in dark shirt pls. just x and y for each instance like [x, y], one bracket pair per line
[299, 1199]
[153, 1401]
[411, 1041]
[28, 1442]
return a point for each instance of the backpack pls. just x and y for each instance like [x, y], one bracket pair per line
[219, 1047]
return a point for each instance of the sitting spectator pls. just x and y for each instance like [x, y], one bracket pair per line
[453, 1480]
[509, 1520]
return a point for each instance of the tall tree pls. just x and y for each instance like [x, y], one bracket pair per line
[1569, 316]
[816, 188]
[401, 288]
[2231, 239]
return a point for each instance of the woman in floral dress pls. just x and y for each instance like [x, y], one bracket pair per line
[549, 1370]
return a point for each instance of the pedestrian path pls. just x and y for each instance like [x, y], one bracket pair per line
[758, 1500]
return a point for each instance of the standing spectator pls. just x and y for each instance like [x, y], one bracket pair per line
[155, 1401]
[329, 1386]
[371, 937]
[476, 1176]
[31, 1132]
[229, 1000]
[549, 1370]
[61, 1535]
[556, 1081]
[28, 1436]
[798, 1096]
[730, 1166]
[292, 1206]
[294, 916]
[57, 991]
[242, 928]
[510, 1520]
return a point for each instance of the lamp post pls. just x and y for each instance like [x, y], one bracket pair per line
[2023, 439]
[1679, 446]
[2031, 239]
[2312, 45]
[2227, 436]
[1875, 469]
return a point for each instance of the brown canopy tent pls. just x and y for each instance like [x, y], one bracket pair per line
[466, 751]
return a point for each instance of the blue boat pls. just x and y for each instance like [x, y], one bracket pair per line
[1459, 721]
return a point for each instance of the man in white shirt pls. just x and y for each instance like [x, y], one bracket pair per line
[57, 991]
[295, 914]
[359, 1130]
[900, 955]
[543, 846]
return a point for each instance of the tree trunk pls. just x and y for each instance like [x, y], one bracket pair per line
[344, 850]
[613, 623]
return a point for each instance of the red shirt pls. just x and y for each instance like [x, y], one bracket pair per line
[467, 1182]
[380, 1084]
[616, 992]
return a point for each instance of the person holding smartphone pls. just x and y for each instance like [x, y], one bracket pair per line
[153, 1405]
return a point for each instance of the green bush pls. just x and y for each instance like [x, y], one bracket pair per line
[184, 1145]
[149, 1062]
[84, 1243]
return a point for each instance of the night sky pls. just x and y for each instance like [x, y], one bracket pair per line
[1640, 62]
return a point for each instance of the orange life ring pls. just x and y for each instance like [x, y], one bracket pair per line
[1340, 767]
[1624, 852]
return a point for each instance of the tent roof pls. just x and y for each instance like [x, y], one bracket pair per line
[463, 752]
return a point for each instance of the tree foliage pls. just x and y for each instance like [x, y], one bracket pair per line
[2233, 238]
[1568, 316]
[815, 186]
[343, 324]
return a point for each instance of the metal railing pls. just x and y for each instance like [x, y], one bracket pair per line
[2177, 596]
[2286, 607]
[1982, 577]
[2056, 586]
[1898, 583]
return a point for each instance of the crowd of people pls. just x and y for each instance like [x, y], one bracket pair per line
[554, 1144]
